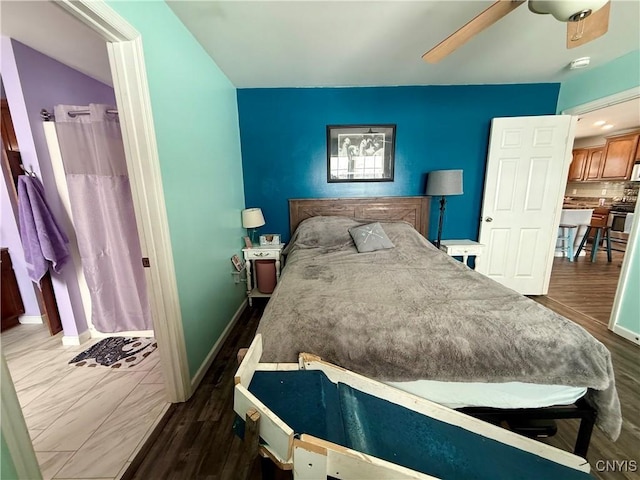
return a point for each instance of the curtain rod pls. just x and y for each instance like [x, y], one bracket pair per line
[75, 113]
[46, 116]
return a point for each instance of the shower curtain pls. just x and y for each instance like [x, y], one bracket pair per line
[103, 216]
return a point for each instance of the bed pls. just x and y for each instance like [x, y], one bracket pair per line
[419, 320]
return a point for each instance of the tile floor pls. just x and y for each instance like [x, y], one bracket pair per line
[85, 423]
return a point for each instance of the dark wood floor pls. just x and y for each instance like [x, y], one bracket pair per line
[584, 292]
[585, 286]
[197, 441]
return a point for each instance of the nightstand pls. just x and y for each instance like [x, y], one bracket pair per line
[462, 248]
[267, 252]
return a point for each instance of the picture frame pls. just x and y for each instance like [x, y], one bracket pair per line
[237, 263]
[270, 239]
[360, 153]
[247, 242]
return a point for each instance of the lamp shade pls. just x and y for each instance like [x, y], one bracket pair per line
[252, 218]
[444, 182]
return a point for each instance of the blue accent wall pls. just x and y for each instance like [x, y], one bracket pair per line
[283, 139]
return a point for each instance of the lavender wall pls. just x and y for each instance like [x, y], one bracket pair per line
[33, 81]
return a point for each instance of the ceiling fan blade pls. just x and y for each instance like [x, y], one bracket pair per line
[458, 38]
[595, 25]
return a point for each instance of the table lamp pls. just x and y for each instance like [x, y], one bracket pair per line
[443, 183]
[252, 219]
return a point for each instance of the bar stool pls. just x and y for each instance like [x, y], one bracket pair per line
[567, 237]
[597, 237]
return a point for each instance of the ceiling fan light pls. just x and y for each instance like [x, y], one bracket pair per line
[568, 10]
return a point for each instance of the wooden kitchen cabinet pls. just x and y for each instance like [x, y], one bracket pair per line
[619, 156]
[613, 161]
[586, 164]
[594, 164]
[578, 164]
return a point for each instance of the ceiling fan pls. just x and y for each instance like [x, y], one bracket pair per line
[586, 20]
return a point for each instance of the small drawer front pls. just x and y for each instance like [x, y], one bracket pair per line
[470, 250]
[261, 254]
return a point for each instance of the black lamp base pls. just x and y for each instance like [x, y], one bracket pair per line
[442, 205]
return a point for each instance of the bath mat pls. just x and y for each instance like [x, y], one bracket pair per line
[116, 352]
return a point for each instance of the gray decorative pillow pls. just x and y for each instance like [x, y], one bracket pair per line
[370, 237]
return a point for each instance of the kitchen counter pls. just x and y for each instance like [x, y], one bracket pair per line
[578, 206]
[586, 202]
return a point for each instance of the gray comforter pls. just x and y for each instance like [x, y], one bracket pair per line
[412, 312]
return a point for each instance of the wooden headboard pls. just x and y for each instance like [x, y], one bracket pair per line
[414, 210]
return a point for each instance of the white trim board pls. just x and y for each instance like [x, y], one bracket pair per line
[134, 105]
[626, 333]
[73, 340]
[197, 378]
[604, 102]
[31, 319]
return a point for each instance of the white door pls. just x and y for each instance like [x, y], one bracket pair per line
[527, 168]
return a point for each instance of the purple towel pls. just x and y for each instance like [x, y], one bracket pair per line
[43, 240]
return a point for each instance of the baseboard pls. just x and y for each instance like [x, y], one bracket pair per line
[628, 334]
[197, 378]
[31, 319]
[71, 340]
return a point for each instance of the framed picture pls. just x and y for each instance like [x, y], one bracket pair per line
[360, 153]
[237, 263]
[270, 239]
[247, 242]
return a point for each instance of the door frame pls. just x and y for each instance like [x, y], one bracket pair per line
[624, 96]
[126, 58]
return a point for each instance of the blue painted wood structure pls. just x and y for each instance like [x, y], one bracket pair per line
[310, 403]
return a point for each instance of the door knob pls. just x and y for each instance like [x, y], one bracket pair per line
[488, 219]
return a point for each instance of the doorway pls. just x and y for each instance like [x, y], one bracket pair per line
[125, 51]
[590, 287]
[71, 410]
